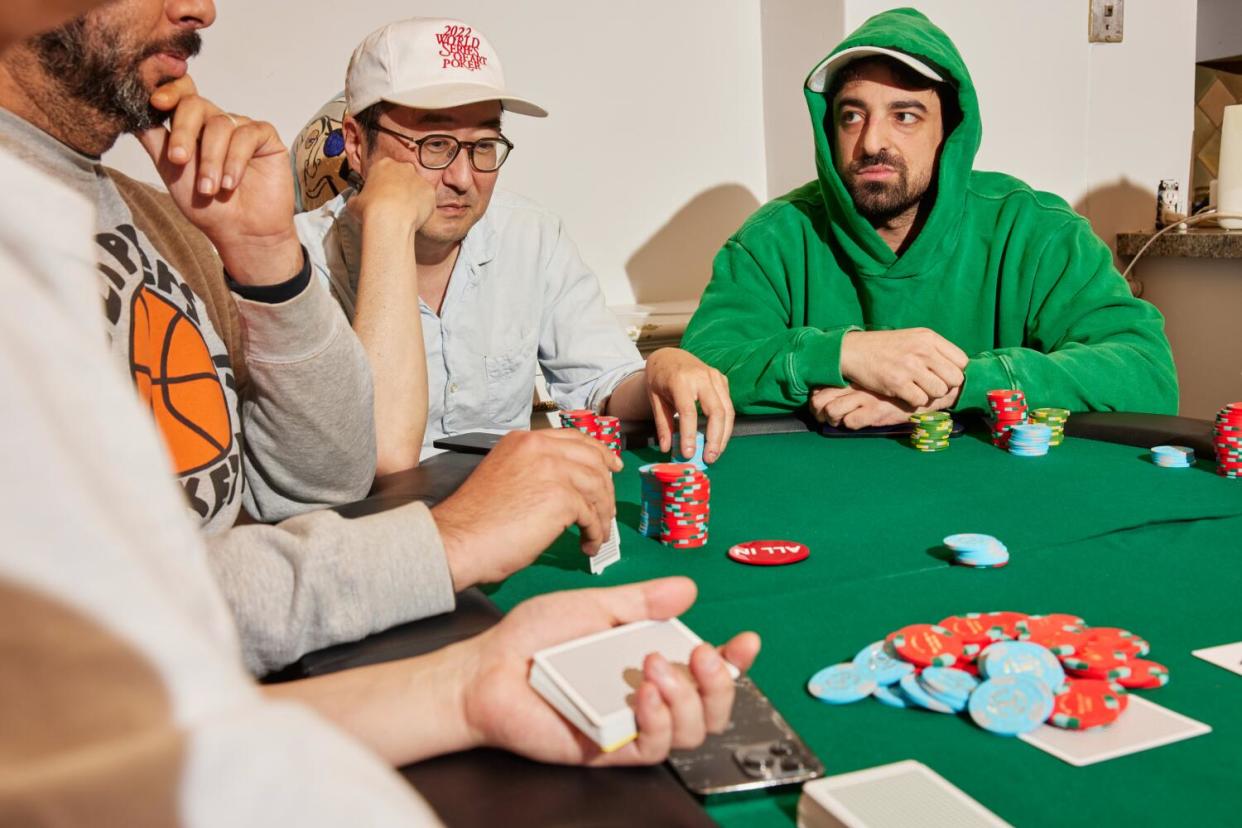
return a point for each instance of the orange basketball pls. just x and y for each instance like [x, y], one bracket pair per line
[172, 368]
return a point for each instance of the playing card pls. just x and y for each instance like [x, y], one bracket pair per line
[898, 795]
[1228, 656]
[609, 552]
[1142, 726]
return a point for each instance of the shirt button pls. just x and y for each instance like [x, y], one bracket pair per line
[453, 388]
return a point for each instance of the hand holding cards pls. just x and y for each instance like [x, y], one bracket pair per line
[593, 681]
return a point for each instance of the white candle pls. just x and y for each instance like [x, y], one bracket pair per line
[1229, 180]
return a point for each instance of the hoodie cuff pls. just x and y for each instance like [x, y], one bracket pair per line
[816, 358]
[983, 373]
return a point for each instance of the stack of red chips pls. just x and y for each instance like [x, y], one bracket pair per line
[1008, 410]
[583, 419]
[685, 505]
[1227, 440]
[608, 432]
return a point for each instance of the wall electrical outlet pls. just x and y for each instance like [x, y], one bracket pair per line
[1107, 21]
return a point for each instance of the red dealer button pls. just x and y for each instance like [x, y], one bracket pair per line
[769, 552]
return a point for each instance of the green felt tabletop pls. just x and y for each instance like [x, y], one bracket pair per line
[1093, 528]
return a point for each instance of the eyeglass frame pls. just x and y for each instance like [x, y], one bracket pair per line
[406, 140]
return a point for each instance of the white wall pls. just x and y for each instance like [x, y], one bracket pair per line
[653, 152]
[695, 106]
[1220, 29]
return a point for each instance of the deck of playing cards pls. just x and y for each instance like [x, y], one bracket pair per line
[896, 795]
[591, 681]
[609, 552]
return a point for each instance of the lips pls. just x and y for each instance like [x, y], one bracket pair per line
[170, 64]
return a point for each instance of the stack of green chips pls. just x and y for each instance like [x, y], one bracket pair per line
[1055, 419]
[931, 430]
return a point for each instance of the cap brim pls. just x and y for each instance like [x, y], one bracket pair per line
[818, 79]
[448, 95]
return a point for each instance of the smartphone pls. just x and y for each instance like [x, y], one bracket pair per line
[759, 751]
[472, 442]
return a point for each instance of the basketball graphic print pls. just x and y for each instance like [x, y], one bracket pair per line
[175, 375]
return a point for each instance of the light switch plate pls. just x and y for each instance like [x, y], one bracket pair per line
[1107, 21]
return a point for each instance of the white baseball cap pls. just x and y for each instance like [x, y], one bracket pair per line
[818, 81]
[428, 63]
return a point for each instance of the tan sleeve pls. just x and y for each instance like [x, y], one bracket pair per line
[89, 737]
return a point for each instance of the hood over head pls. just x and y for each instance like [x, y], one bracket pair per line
[910, 33]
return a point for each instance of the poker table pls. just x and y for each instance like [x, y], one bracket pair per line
[1094, 529]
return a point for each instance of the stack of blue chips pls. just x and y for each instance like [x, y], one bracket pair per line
[652, 498]
[1030, 439]
[972, 549]
[1173, 457]
[697, 459]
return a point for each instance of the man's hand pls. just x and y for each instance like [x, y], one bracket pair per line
[914, 365]
[676, 380]
[856, 407]
[394, 189]
[671, 709]
[231, 178]
[530, 488]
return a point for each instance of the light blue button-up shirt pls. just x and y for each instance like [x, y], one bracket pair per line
[520, 300]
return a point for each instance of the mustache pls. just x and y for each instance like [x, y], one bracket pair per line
[185, 45]
[883, 158]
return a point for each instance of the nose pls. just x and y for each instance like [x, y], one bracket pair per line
[459, 175]
[191, 14]
[875, 136]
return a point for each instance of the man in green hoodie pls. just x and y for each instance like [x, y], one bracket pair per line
[902, 280]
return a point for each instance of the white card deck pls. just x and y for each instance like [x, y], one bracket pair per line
[1143, 725]
[609, 552]
[891, 796]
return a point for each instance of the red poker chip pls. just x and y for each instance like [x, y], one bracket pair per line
[1085, 703]
[927, 645]
[1144, 674]
[1062, 642]
[1005, 623]
[1097, 661]
[1115, 638]
[671, 472]
[769, 552]
[972, 629]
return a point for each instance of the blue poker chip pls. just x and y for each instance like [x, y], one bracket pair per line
[876, 661]
[840, 684]
[892, 696]
[1009, 658]
[1010, 705]
[973, 549]
[914, 692]
[948, 685]
[1173, 457]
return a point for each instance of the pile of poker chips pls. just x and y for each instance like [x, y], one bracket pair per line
[1029, 439]
[608, 432]
[676, 504]
[1173, 457]
[697, 458]
[1055, 419]
[1009, 671]
[583, 419]
[932, 430]
[1227, 440]
[979, 551]
[1008, 410]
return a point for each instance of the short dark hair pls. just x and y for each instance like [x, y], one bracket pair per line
[950, 109]
[368, 119]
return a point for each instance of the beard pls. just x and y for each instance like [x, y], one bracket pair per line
[881, 201]
[93, 65]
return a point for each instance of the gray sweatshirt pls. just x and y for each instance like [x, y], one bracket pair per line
[295, 435]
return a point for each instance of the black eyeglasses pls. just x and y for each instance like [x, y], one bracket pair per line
[436, 152]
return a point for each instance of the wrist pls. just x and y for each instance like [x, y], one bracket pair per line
[258, 261]
[461, 569]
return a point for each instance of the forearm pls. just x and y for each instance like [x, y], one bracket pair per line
[405, 710]
[629, 399]
[389, 325]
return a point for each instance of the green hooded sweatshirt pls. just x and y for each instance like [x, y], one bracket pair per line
[1011, 275]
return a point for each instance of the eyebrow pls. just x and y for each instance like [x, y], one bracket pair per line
[857, 102]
